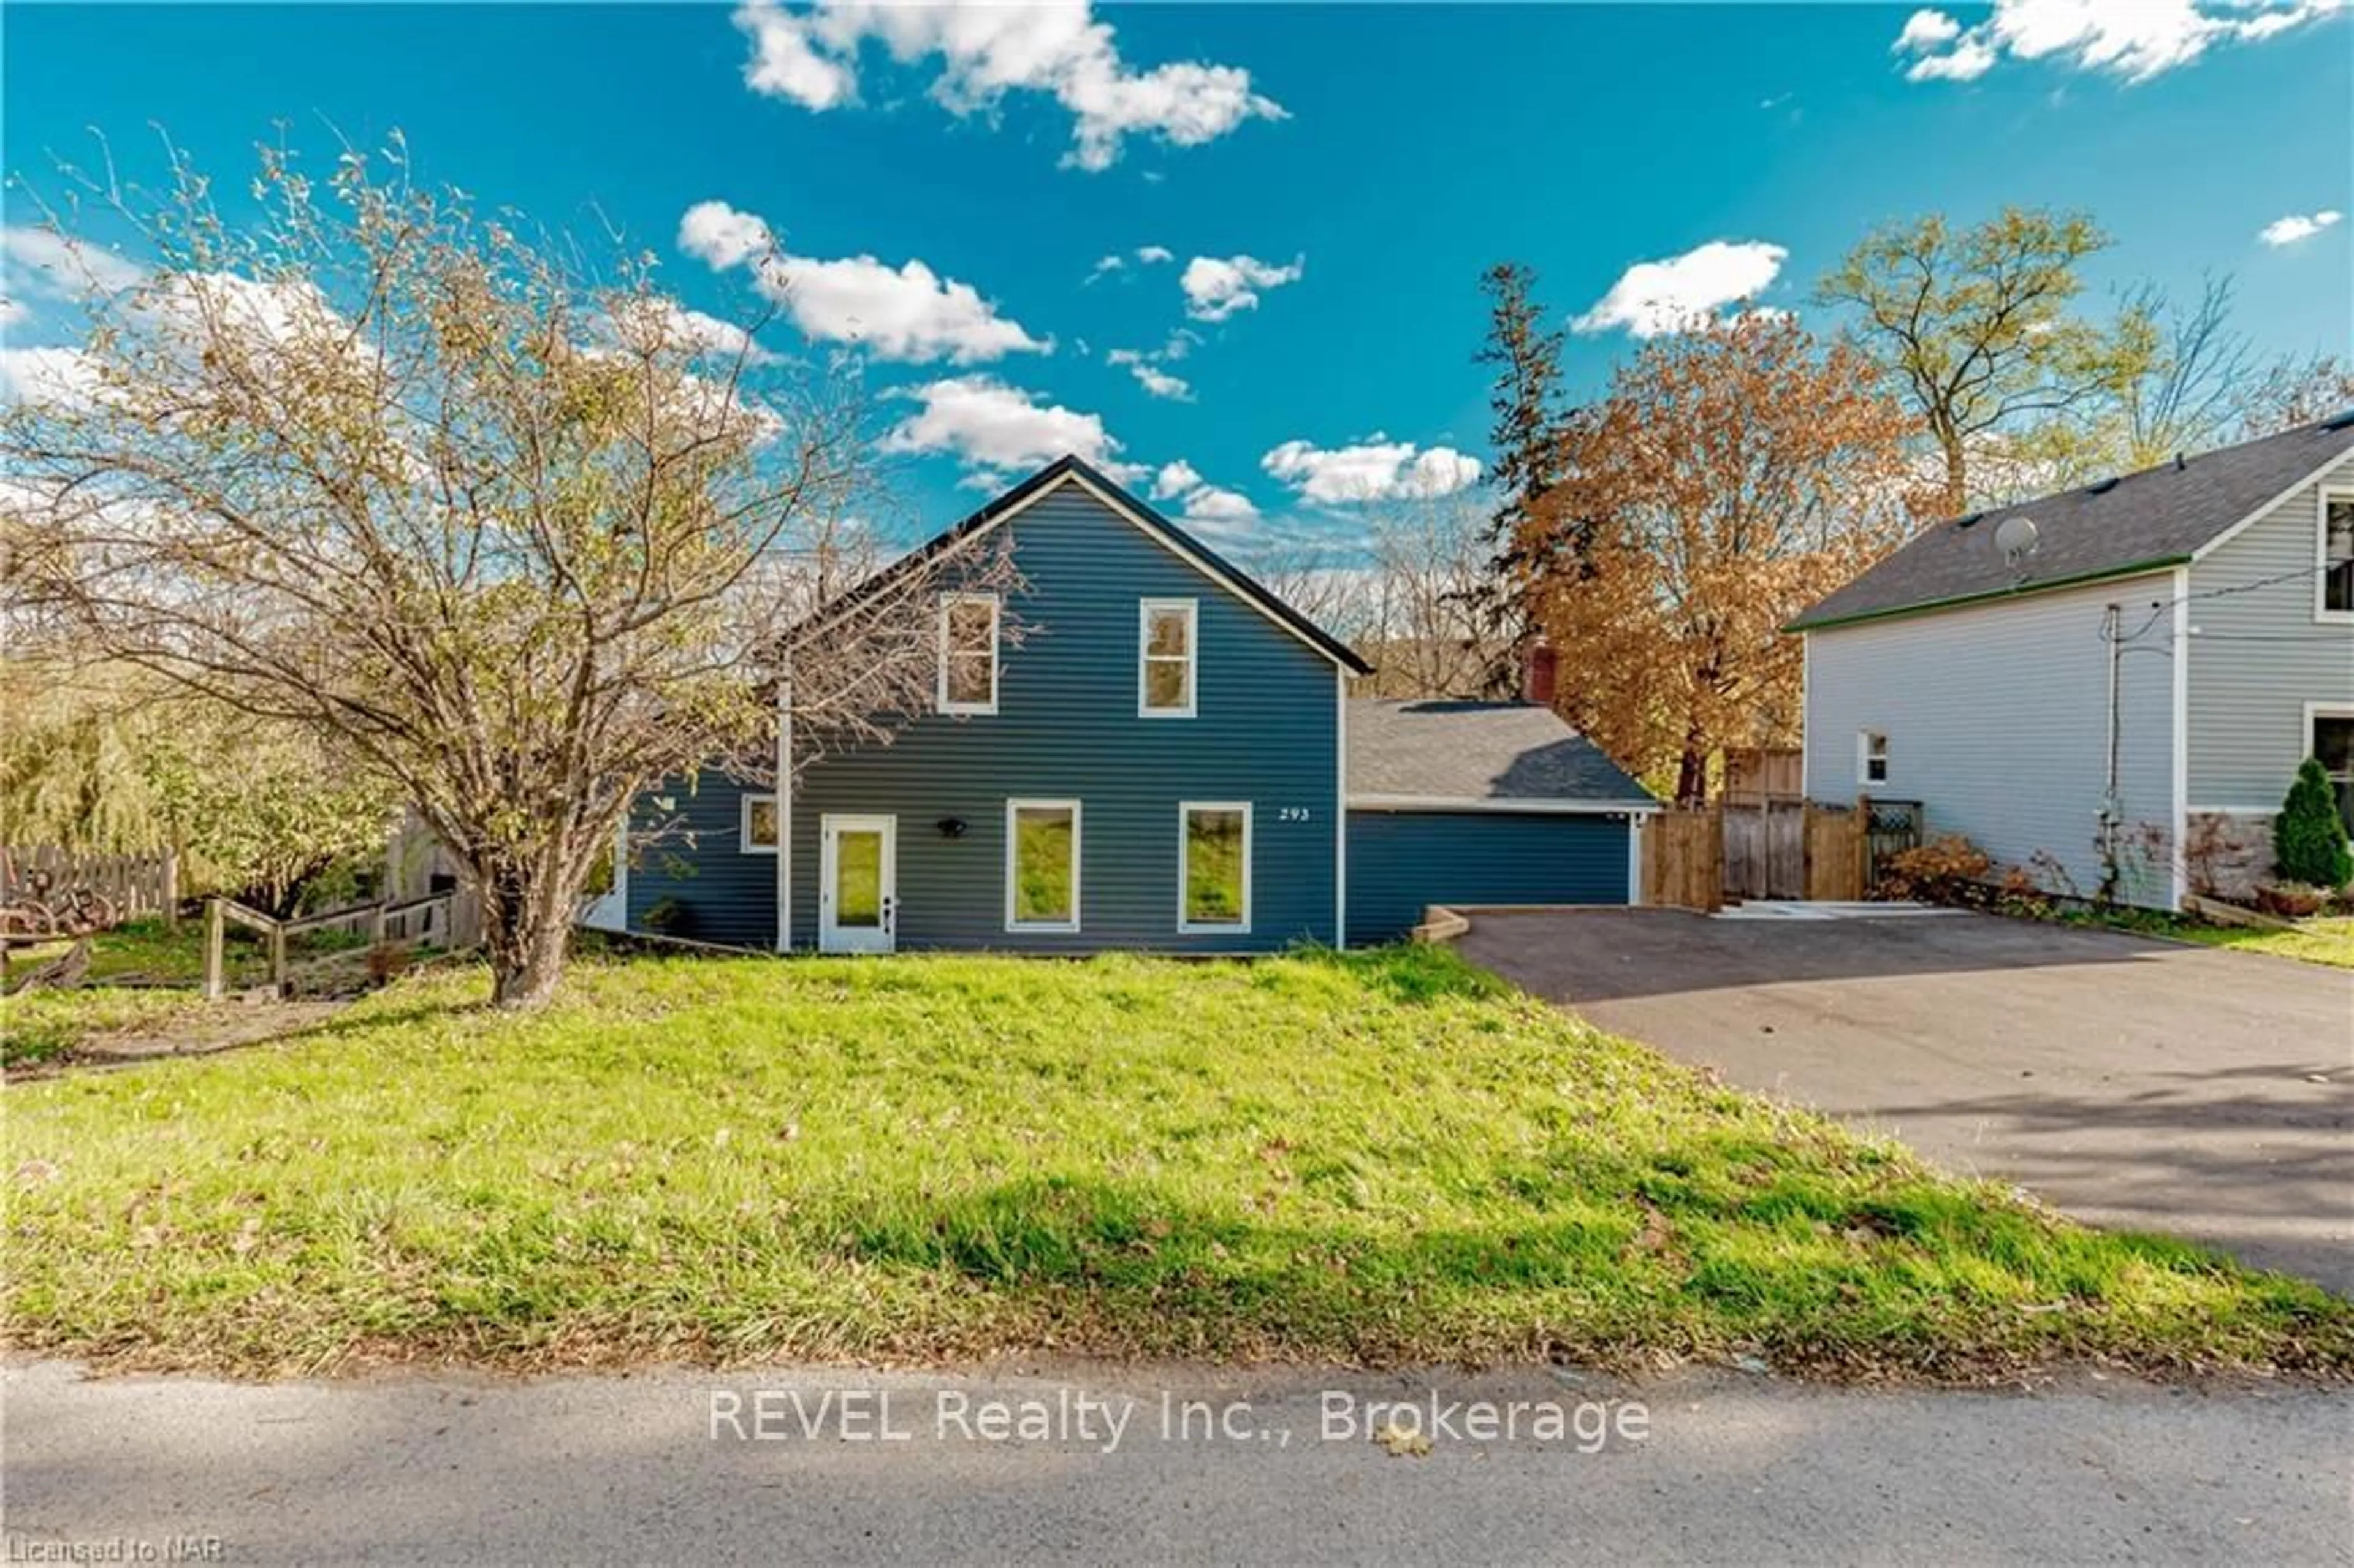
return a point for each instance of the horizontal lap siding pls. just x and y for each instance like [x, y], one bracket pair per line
[1996, 722]
[687, 852]
[1066, 727]
[2258, 655]
[1400, 862]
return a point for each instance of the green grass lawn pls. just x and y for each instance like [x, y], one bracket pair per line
[2323, 941]
[1378, 1158]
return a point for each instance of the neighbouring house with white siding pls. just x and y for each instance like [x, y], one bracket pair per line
[2108, 687]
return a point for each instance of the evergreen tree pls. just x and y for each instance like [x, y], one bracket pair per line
[1526, 442]
[2309, 842]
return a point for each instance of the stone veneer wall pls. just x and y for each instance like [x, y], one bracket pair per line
[2228, 852]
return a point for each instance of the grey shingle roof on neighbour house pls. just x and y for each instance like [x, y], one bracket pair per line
[2154, 518]
[1488, 752]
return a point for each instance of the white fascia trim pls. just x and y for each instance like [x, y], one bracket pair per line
[1541, 807]
[1078, 832]
[1185, 809]
[949, 601]
[1340, 816]
[1166, 542]
[1146, 608]
[2244, 524]
[2180, 882]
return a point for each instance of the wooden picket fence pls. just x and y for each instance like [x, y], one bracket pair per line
[1776, 849]
[134, 885]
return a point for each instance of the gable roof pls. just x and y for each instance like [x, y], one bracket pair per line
[2159, 517]
[1069, 469]
[1496, 755]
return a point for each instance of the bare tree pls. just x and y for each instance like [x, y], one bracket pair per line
[2295, 391]
[518, 534]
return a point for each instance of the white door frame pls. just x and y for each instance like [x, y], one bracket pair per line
[833, 938]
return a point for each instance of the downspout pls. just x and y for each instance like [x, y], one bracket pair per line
[2111, 626]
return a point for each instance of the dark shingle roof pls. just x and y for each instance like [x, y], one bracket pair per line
[2154, 518]
[1070, 466]
[1477, 751]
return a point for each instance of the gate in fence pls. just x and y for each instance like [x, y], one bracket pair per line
[1890, 828]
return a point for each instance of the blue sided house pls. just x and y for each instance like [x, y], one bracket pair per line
[1168, 760]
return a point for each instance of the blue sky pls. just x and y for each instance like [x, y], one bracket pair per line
[1383, 154]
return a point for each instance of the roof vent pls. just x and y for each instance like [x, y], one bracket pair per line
[1966, 522]
[2101, 486]
[2339, 422]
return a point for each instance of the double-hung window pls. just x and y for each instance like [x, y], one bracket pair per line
[1165, 658]
[1871, 757]
[756, 827]
[1213, 888]
[2332, 741]
[968, 683]
[2337, 594]
[1042, 865]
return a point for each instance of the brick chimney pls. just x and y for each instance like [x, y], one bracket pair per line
[1537, 672]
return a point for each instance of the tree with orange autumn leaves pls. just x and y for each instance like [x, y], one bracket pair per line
[1733, 474]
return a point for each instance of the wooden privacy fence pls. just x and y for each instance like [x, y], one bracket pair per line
[1683, 859]
[400, 921]
[132, 885]
[1778, 849]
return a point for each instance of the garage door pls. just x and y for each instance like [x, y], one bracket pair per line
[1401, 861]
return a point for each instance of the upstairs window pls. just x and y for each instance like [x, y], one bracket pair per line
[1164, 674]
[968, 653]
[1871, 757]
[2337, 552]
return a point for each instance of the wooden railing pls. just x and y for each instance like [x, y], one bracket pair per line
[405, 920]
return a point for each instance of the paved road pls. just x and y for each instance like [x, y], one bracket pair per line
[2139, 1083]
[627, 1471]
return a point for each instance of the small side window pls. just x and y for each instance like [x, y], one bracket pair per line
[1871, 757]
[968, 683]
[2338, 552]
[756, 833]
[1213, 891]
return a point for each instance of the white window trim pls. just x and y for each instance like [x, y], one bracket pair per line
[1145, 610]
[949, 601]
[1078, 836]
[2318, 711]
[743, 804]
[1864, 739]
[2322, 613]
[1185, 809]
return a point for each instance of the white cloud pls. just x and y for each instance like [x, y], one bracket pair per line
[1146, 256]
[1161, 384]
[65, 266]
[1376, 469]
[988, 424]
[907, 312]
[1209, 503]
[1105, 264]
[2296, 226]
[1173, 479]
[2135, 39]
[1215, 288]
[61, 376]
[1151, 255]
[1925, 30]
[812, 56]
[1668, 295]
[672, 324]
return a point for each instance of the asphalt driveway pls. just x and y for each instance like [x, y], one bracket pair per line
[2135, 1083]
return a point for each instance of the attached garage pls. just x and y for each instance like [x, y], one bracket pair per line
[1470, 804]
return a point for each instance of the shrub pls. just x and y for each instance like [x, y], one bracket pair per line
[1945, 870]
[2309, 843]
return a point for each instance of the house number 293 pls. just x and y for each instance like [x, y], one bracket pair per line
[1291, 813]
